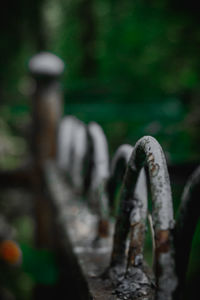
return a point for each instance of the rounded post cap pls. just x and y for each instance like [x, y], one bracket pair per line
[46, 64]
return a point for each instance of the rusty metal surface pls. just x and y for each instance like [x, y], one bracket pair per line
[147, 150]
[94, 255]
[118, 167]
[126, 276]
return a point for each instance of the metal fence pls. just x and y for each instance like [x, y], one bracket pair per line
[92, 210]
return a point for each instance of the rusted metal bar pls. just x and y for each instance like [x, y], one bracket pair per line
[146, 151]
[65, 138]
[185, 228]
[137, 227]
[97, 194]
[45, 68]
[118, 168]
[72, 150]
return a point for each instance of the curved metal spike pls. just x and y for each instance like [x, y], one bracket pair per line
[100, 171]
[148, 151]
[64, 142]
[98, 197]
[72, 148]
[118, 168]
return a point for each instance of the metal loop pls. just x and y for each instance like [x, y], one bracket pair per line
[147, 151]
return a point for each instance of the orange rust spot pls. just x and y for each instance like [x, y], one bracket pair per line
[162, 241]
[150, 157]
[154, 169]
[10, 252]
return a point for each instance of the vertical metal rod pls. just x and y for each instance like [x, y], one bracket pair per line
[98, 197]
[138, 215]
[72, 150]
[118, 167]
[45, 68]
[65, 136]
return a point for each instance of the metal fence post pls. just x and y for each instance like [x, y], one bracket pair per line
[45, 69]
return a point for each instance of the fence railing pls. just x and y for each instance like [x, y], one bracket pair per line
[70, 162]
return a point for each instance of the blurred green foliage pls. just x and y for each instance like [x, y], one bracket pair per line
[132, 66]
[40, 265]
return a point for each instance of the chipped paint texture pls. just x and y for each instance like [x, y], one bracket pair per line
[147, 151]
[167, 282]
[118, 167]
[136, 285]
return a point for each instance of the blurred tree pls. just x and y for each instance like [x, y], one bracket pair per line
[87, 37]
[21, 25]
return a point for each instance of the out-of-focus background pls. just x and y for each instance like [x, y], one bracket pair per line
[132, 66]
